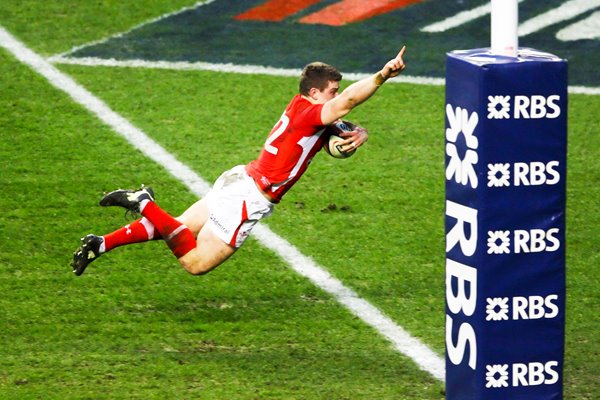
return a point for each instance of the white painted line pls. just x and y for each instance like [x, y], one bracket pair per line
[231, 68]
[255, 69]
[459, 19]
[584, 90]
[566, 11]
[588, 28]
[424, 357]
[179, 65]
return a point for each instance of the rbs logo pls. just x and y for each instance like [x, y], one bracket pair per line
[536, 173]
[523, 308]
[536, 240]
[535, 307]
[523, 107]
[530, 374]
[536, 107]
[523, 241]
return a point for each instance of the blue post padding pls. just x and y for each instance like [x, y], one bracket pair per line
[506, 168]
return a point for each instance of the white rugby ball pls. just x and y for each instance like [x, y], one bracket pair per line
[332, 146]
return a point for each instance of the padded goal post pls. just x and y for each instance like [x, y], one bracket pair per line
[506, 146]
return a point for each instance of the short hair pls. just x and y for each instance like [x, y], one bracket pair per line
[318, 75]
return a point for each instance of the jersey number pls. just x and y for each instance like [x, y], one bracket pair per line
[307, 143]
[279, 128]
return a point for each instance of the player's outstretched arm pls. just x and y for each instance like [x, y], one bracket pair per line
[360, 91]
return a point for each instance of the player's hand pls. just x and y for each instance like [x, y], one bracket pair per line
[395, 66]
[354, 139]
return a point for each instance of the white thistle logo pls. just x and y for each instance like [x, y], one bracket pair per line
[496, 376]
[462, 170]
[497, 309]
[498, 242]
[498, 175]
[498, 113]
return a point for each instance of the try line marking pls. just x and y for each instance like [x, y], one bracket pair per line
[402, 341]
[230, 68]
[255, 69]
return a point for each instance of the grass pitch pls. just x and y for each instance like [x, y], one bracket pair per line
[135, 325]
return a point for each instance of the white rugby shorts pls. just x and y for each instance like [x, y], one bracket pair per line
[235, 205]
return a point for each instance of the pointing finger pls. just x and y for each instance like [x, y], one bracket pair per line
[401, 53]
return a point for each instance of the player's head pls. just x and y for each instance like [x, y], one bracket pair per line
[320, 81]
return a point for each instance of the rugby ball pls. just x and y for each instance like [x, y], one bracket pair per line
[333, 139]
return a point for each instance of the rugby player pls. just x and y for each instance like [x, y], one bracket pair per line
[213, 228]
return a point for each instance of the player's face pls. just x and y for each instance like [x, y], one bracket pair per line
[323, 96]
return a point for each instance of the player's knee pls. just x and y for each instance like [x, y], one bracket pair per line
[197, 267]
[200, 271]
[199, 263]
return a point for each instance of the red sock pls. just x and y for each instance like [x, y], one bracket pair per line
[138, 231]
[178, 236]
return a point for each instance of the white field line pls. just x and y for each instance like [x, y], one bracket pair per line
[232, 68]
[255, 69]
[567, 10]
[584, 90]
[588, 28]
[459, 19]
[402, 341]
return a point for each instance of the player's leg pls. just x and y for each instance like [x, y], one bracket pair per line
[228, 214]
[93, 246]
[177, 235]
[234, 205]
[210, 252]
[138, 231]
[197, 257]
[143, 230]
[179, 238]
[225, 216]
[195, 216]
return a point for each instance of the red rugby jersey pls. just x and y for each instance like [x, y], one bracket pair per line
[291, 145]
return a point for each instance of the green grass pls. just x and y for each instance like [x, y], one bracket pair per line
[58, 25]
[137, 326]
